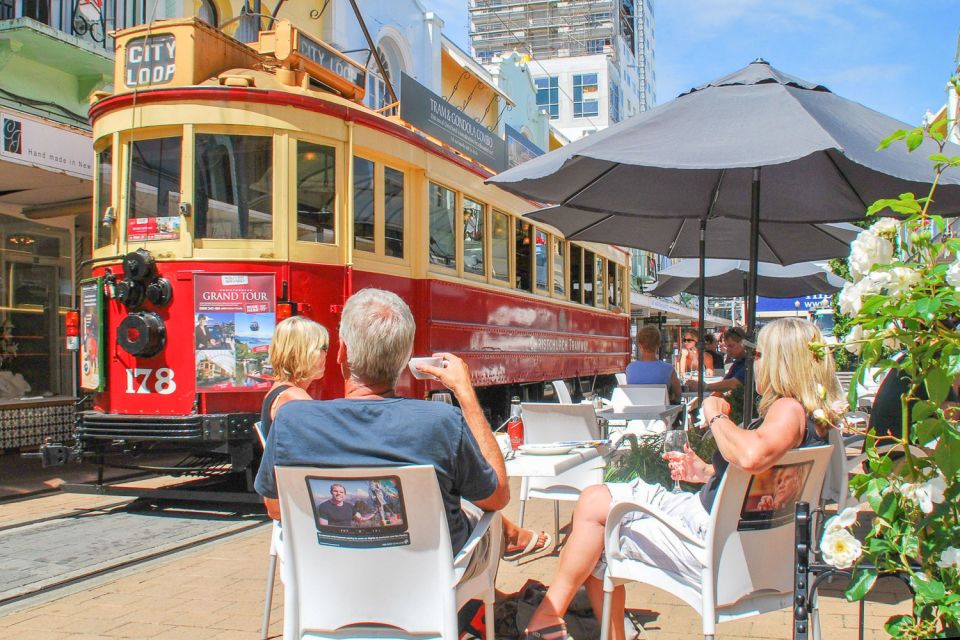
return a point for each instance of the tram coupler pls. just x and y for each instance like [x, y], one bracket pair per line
[54, 454]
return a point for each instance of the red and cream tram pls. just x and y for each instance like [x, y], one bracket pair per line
[243, 184]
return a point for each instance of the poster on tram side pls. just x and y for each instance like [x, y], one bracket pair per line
[234, 315]
[91, 335]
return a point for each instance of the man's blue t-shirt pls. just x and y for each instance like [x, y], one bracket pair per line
[382, 432]
[649, 372]
[738, 370]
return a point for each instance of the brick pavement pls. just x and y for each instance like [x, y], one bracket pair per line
[216, 592]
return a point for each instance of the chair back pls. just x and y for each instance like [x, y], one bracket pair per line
[563, 393]
[642, 395]
[395, 570]
[621, 378]
[750, 548]
[549, 422]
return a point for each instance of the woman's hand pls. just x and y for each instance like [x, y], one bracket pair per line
[688, 467]
[714, 406]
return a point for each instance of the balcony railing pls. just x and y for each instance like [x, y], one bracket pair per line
[90, 20]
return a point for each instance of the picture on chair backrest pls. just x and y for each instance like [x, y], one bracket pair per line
[772, 496]
[359, 512]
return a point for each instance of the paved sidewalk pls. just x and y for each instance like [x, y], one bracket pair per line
[216, 592]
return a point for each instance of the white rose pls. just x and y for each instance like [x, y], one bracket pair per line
[886, 227]
[852, 342]
[902, 280]
[926, 494]
[949, 557]
[866, 251]
[844, 519]
[840, 549]
[850, 299]
[953, 274]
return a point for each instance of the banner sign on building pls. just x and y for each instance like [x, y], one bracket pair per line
[234, 316]
[807, 303]
[150, 60]
[519, 149]
[35, 143]
[91, 335]
[435, 116]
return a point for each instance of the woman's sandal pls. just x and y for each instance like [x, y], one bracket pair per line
[531, 548]
[556, 632]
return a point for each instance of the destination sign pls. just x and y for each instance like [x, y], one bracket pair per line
[330, 60]
[150, 60]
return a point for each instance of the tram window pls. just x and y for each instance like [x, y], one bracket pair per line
[559, 272]
[598, 272]
[612, 285]
[542, 250]
[576, 263]
[316, 192]
[473, 232]
[234, 187]
[443, 213]
[393, 212]
[155, 181]
[364, 198]
[500, 258]
[621, 282]
[524, 233]
[588, 283]
[104, 233]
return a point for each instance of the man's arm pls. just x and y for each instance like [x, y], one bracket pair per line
[456, 377]
[724, 385]
[756, 450]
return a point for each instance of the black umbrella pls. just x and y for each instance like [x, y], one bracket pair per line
[703, 155]
[727, 279]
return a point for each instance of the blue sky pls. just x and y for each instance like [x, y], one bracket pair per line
[894, 56]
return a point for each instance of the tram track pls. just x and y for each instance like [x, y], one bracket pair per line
[46, 555]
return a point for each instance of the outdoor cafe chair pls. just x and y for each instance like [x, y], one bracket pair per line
[747, 555]
[563, 393]
[398, 578]
[551, 422]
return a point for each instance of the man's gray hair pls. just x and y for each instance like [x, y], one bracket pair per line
[377, 330]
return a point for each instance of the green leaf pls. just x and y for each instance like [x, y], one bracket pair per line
[914, 139]
[896, 625]
[937, 383]
[947, 454]
[860, 584]
[928, 429]
[899, 134]
[927, 590]
[939, 158]
[887, 506]
[923, 409]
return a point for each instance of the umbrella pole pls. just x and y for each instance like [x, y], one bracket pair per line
[700, 311]
[748, 392]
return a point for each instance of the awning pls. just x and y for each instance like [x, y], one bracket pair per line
[644, 306]
[465, 61]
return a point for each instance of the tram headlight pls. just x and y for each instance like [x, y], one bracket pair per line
[160, 292]
[130, 293]
[139, 266]
[142, 334]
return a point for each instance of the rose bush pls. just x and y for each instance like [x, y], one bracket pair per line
[903, 296]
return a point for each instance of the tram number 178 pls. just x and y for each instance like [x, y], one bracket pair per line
[138, 381]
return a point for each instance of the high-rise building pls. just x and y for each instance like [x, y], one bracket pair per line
[592, 60]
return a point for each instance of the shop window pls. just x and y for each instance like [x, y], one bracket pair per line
[523, 241]
[393, 212]
[576, 276]
[542, 250]
[500, 247]
[104, 194]
[316, 192]
[154, 194]
[559, 271]
[364, 198]
[233, 177]
[473, 237]
[443, 214]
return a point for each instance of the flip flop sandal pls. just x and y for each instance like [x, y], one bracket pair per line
[542, 634]
[531, 547]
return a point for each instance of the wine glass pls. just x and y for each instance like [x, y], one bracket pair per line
[674, 447]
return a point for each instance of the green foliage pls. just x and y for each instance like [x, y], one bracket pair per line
[646, 461]
[910, 304]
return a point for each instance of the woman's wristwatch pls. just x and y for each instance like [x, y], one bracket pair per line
[714, 419]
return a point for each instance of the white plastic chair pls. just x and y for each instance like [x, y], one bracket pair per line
[359, 590]
[549, 422]
[745, 572]
[621, 378]
[563, 393]
[640, 395]
[275, 550]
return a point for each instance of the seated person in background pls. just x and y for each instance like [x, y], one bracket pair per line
[733, 342]
[648, 368]
[712, 358]
[788, 378]
[689, 356]
[371, 426]
[298, 355]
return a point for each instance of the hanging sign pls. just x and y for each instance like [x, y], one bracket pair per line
[91, 335]
[435, 116]
[234, 316]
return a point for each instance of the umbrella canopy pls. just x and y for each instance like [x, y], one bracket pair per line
[780, 242]
[726, 279]
[695, 156]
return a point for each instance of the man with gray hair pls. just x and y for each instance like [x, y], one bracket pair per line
[371, 426]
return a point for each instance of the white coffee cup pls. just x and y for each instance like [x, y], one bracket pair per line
[427, 360]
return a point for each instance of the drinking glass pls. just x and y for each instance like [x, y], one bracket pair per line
[674, 446]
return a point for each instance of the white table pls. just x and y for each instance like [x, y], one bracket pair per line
[537, 465]
[642, 412]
